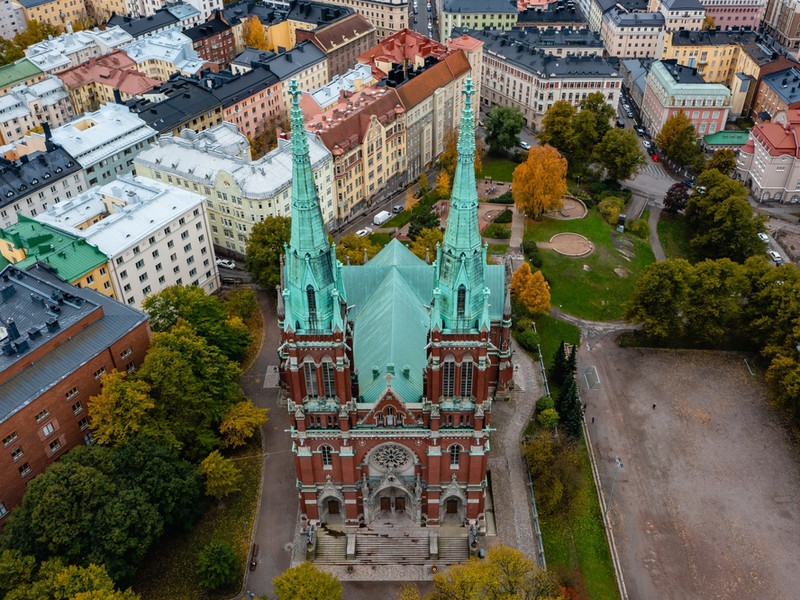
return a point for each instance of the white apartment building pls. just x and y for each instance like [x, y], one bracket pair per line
[238, 192]
[12, 19]
[354, 80]
[154, 234]
[164, 53]
[632, 35]
[25, 107]
[72, 49]
[146, 8]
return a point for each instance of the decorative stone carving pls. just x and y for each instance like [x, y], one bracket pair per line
[391, 457]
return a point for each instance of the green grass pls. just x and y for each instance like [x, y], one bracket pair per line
[399, 219]
[578, 543]
[598, 293]
[499, 169]
[169, 570]
[673, 236]
[551, 333]
[380, 238]
[497, 249]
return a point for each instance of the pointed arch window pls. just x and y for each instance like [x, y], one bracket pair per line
[461, 303]
[449, 377]
[466, 378]
[327, 456]
[455, 456]
[312, 302]
[328, 379]
[310, 373]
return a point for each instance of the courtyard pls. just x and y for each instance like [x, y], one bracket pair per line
[706, 502]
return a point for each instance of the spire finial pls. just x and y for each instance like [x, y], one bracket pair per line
[466, 134]
[299, 139]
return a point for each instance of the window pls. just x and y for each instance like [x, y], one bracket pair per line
[11, 437]
[71, 394]
[139, 263]
[83, 423]
[125, 353]
[448, 378]
[466, 378]
[55, 445]
[3, 510]
[327, 456]
[100, 372]
[328, 379]
[25, 469]
[48, 429]
[17, 453]
[42, 415]
[462, 301]
[455, 456]
[312, 303]
[310, 372]
[77, 408]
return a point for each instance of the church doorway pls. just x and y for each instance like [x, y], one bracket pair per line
[452, 510]
[386, 504]
[451, 507]
[400, 504]
[333, 507]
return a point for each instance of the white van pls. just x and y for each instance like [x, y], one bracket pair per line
[381, 217]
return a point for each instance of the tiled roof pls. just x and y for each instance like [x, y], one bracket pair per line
[333, 36]
[116, 69]
[423, 85]
[403, 45]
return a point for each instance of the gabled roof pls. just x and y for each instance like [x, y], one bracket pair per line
[349, 28]
[18, 71]
[425, 84]
[395, 254]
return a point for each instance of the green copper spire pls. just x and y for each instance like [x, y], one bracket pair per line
[312, 287]
[461, 259]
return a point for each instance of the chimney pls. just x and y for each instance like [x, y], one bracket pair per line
[13, 331]
[117, 96]
[46, 128]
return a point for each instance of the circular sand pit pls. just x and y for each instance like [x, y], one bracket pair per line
[569, 244]
[571, 208]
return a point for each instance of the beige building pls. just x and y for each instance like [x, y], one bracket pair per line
[59, 13]
[782, 21]
[632, 35]
[475, 14]
[25, 107]
[165, 53]
[239, 192]
[366, 133]
[768, 163]
[680, 15]
[388, 16]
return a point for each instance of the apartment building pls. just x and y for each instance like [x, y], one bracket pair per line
[779, 92]
[161, 55]
[57, 343]
[213, 39]
[154, 234]
[366, 134]
[475, 14]
[19, 72]
[305, 63]
[147, 8]
[735, 14]
[249, 100]
[58, 13]
[181, 103]
[768, 163]
[782, 21]
[406, 48]
[519, 73]
[555, 17]
[72, 49]
[71, 257]
[12, 19]
[632, 34]
[672, 88]
[354, 80]
[24, 108]
[30, 182]
[680, 15]
[105, 79]
[175, 16]
[342, 42]
[238, 192]
[388, 16]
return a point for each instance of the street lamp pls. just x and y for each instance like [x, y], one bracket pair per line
[618, 460]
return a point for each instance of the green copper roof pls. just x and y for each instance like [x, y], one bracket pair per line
[461, 260]
[70, 256]
[312, 293]
[395, 254]
[17, 71]
[727, 138]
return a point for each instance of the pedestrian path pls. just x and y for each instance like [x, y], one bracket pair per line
[655, 170]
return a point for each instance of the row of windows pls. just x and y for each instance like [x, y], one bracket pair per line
[454, 451]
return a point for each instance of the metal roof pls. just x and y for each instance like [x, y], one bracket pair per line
[18, 71]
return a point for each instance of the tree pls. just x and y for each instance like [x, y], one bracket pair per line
[425, 243]
[618, 152]
[676, 198]
[411, 200]
[713, 307]
[222, 476]
[9, 51]
[254, 34]
[16, 569]
[566, 396]
[443, 184]
[659, 299]
[217, 565]
[423, 217]
[120, 410]
[548, 419]
[265, 137]
[107, 595]
[558, 370]
[554, 464]
[585, 138]
[242, 304]
[265, 246]
[596, 104]
[571, 414]
[424, 188]
[351, 249]
[572, 361]
[531, 289]
[306, 582]
[503, 125]
[678, 139]
[723, 160]
[556, 129]
[241, 423]
[539, 184]
[505, 574]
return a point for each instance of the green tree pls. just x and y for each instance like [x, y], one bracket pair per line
[558, 370]
[241, 422]
[676, 198]
[422, 217]
[217, 565]
[425, 242]
[603, 112]
[503, 125]
[424, 188]
[351, 249]
[772, 304]
[16, 569]
[107, 595]
[241, 303]
[223, 477]
[556, 129]
[306, 582]
[206, 314]
[678, 139]
[723, 160]
[713, 308]
[121, 409]
[35, 32]
[554, 464]
[572, 417]
[618, 152]
[783, 379]
[265, 246]
[548, 418]
[585, 138]
[566, 396]
[659, 299]
[9, 51]
[572, 361]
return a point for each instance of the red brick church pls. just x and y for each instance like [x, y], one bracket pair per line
[392, 366]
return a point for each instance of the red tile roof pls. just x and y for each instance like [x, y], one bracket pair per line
[401, 46]
[423, 85]
[116, 69]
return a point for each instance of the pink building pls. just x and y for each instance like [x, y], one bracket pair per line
[735, 13]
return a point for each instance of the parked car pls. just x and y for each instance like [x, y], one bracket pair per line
[398, 208]
[364, 232]
[763, 237]
[639, 130]
[647, 144]
[226, 263]
[629, 112]
[688, 182]
[776, 258]
[524, 145]
[620, 123]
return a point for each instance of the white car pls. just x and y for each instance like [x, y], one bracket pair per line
[763, 237]
[364, 232]
[226, 263]
[524, 145]
[647, 144]
[776, 258]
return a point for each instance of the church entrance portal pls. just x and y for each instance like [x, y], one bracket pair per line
[333, 507]
[452, 507]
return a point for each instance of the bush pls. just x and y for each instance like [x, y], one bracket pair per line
[217, 565]
[523, 324]
[497, 232]
[610, 208]
[505, 198]
[504, 217]
[529, 340]
[640, 229]
[529, 246]
[534, 259]
[544, 403]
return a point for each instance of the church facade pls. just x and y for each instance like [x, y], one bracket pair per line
[392, 366]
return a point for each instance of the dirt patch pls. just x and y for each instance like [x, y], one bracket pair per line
[569, 244]
[571, 208]
[622, 273]
[707, 505]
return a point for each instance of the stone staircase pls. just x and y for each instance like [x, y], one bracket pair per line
[392, 548]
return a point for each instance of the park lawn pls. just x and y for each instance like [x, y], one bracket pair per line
[399, 219]
[168, 572]
[497, 249]
[673, 236]
[579, 543]
[499, 169]
[380, 238]
[599, 293]
[551, 333]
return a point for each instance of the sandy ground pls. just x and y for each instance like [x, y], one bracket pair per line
[571, 244]
[707, 504]
[571, 208]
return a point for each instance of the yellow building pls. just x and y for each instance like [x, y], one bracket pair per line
[58, 13]
[473, 14]
[72, 258]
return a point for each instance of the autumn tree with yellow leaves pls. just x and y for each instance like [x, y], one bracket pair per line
[539, 184]
[531, 289]
[254, 34]
[443, 184]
